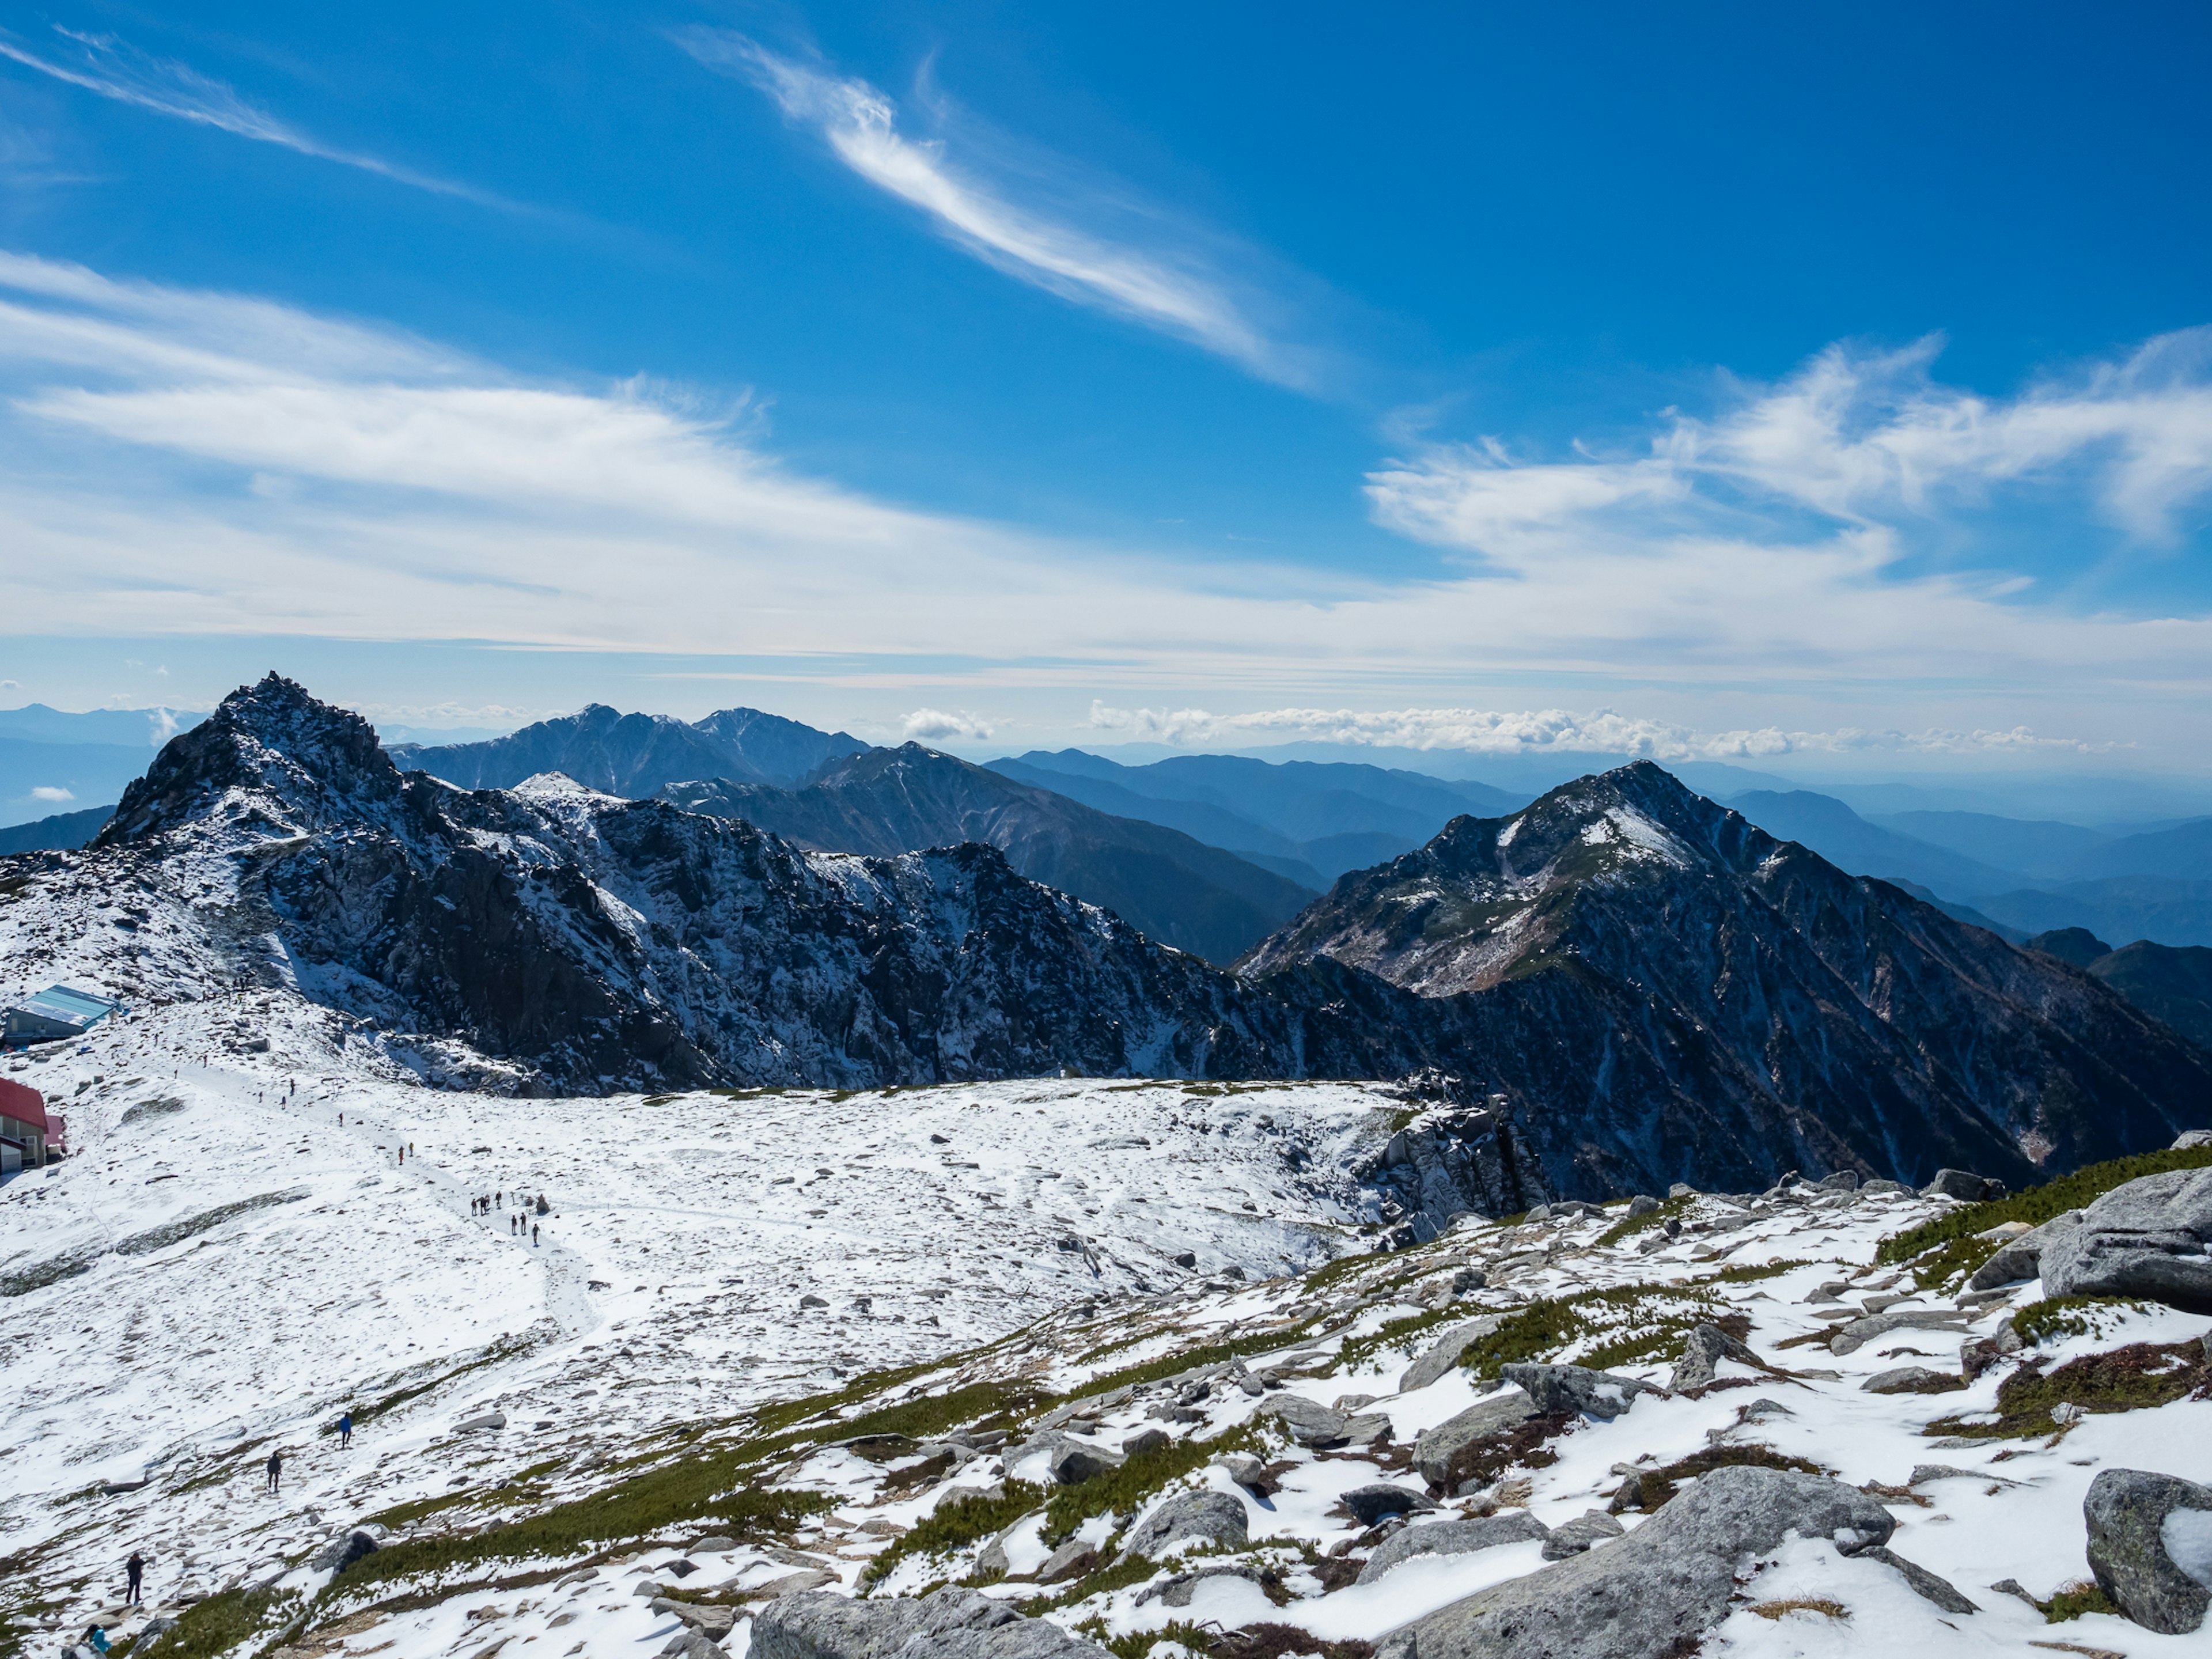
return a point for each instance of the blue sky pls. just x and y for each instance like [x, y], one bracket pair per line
[1813, 386]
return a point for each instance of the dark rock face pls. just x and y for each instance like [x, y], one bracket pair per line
[1178, 890]
[635, 755]
[2147, 1238]
[2139, 1523]
[1663, 992]
[2171, 982]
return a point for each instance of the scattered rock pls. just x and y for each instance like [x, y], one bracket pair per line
[2021, 1257]
[1912, 1379]
[684, 1644]
[1681, 1190]
[481, 1421]
[1435, 1449]
[343, 1551]
[1850, 1338]
[1073, 1463]
[1541, 1213]
[714, 1544]
[1246, 1472]
[802, 1583]
[951, 1624]
[1144, 1440]
[1468, 1279]
[2146, 1239]
[1842, 1181]
[1442, 1356]
[1579, 1534]
[1648, 1595]
[1556, 1389]
[1071, 1560]
[1930, 1587]
[1176, 1592]
[1210, 1518]
[1452, 1538]
[2150, 1545]
[1185, 1258]
[1371, 1430]
[1309, 1422]
[1369, 1504]
[811, 1300]
[1641, 1206]
[1977, 1354]
[2187, 1141]
[1883, 1189]
[1702, 1353]
[1965, 1188]
[711, 1618]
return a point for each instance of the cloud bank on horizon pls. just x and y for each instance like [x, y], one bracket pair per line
[183, 462]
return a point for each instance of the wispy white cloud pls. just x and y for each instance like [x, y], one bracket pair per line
[938, 726]
[178, 463]
[121, 72]
[49, 792]
[1547, 731]
[1172, 289]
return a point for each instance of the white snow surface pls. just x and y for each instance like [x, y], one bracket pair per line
[1033, 1243]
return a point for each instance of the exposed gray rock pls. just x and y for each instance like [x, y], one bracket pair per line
[1442, 1355]
[1435, 1449]
[2187, 1141]
[1369, 1429]
[1309, 1422]
[2146, 1239]
[715, 1544]
[1467, 1279]
[1452, 1538]
[1931, 1587]
[1648, 1595]
[2150, 1546]
[1369, 1504]
[1702, 1353]
[951, 1624]
[1573, 1537]
[713, 1619]
[1178, 1591]
[1073, 1463]
[1205, 1517]
[1958, 1184]
[481, 1421]
[1641, 1206]
[1843, 1180]
[2022, 1257]
[1848, 1339]
[1246, 1472]
[1144, 1440]
[693, 1644]
[1071, 1560]
[343, 1551]
[1977, 1354]
[1883, 1189]
[1576, 1389]
[1912, 1379]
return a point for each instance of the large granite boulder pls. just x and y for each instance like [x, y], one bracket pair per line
[2022, 1257]
[1576, 1389]
[1702, 1353]
[1199, 1517]
[2145, 1239]
[1651, 1595]
[1964, 1186]
[951, 1624]
[1444, 1354]
[1453, 1537]
[1309, 1422]
[1435, 1450]
[2150, 1546]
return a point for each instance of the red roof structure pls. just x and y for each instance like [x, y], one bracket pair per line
[27, 1106]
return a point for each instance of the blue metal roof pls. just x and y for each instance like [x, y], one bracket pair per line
[66, 1006]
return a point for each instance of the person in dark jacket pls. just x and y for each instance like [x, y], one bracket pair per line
[276, 1469]
[135, 1570]
[345, 1431]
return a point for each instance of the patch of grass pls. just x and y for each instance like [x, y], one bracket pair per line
[2070, 1316]
[1123, 1490]
[1168, 1365]
[1120, 1573]
[1360, 1349]
[207, 1629]
[1519, 1447]
[1777, 1610]
[2038, 1203]
[1635, 1321]
[1628, 1227]
[406, 1514]
[1747, 1274]
[1269, 1641]
[1947, 1264]
[955, 1524]
[2072, 1601]
[504, 1349]
[1138, 1644]
[2133, 1378]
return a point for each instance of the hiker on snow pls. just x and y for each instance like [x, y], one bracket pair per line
[276, 1469]
[135, 1570]
[345, 1431]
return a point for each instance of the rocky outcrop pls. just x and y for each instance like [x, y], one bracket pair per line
[951, 1624]
[1651, 1595]
[1722, 1006]
[1437, 1451]
[1192, 1517]
[2147, 1238]
[2150, 1546]
[1576, 1389]
[1457, 1537]
[1441, 1357]
[1702, 1353]
[2021, 1258]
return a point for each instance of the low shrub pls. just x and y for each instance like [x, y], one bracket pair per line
[956, 1524]
[2038, 1204]
[2132, 1378]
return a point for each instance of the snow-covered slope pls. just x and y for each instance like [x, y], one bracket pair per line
[727, 1288]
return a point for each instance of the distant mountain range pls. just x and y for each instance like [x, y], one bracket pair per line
[1624, 982]
[1177, 889]
[51, 759]
[1311, 821]
[638, 755]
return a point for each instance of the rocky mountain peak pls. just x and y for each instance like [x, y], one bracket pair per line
[271, 748]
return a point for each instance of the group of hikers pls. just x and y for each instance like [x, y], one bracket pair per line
[518, 1225]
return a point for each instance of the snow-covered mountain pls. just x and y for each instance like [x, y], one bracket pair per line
[635, 755]
[1177, 889]
[1622, 987]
